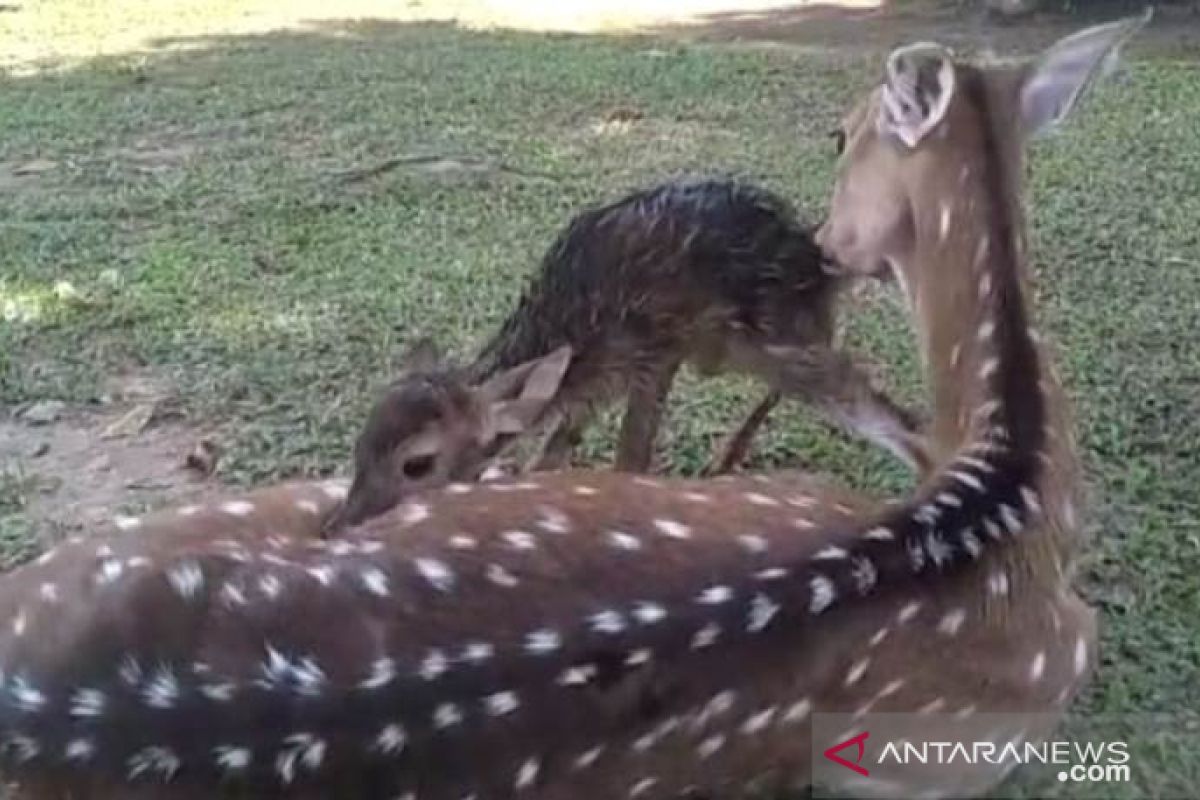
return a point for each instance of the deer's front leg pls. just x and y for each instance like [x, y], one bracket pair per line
[830, 380]
[643, 416]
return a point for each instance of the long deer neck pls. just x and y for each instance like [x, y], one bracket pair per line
[993, 388]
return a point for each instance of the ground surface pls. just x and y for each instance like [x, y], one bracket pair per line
[222, 222]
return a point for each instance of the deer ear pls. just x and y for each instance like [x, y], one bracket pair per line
[536, 379]
[916, 92]
[518, 398]
[422, 356]
[1052, 85]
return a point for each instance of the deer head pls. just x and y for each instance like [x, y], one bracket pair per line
[431, 428]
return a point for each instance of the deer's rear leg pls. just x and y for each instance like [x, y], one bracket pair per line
[736, 448]
[643, 416]
[564, 438]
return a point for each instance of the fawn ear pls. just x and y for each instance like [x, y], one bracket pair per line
[519, 396]
[1052, 85]
[422, 356]
[916, 92]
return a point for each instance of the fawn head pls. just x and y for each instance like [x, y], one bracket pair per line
[431, 427]
[913, 139]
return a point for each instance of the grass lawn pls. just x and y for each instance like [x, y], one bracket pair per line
[206, 209]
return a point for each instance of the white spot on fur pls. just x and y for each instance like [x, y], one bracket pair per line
[579, 675]
[28, 697]
[434, 665]
[446, 715]
[543, 641]
[649, 613]
[554, 521]
[624, 541]
[435, 573]
[1010, 519]
[528, 773]
[880, 534]
[1037, 667]
[308, 507]
[762, 610]
[952, 622]
[299, 750]
[238, 508]
[998, 583]
[771, 574]
[584, 491]
[162, 690]
[706, 636]
[639, 657]
[908, 611]
[463, 542]
[755, 498]
[478, 652]
[971, 544]
[753, 542]
[830, 554]
[823, 594]
[710, 746]
[127, 523]
[218, 692]
[672, 529]
[757, 723]
[715, 596]
[966, 479]
[520, 540]
[231, 759]
[79, 750]
[187, 579]
[413, 514]
[856, 671]
[607, 622]
[588, 758]
[864, 574]
[270, 586]
[149, 761]
[383, 672]
[797, 712]
[944, 219]
[501, 703]
[1081, 656]
[500, 576]
[110, 569]
[87, 703]
[933, 706]
[642, 786]
[878, 637]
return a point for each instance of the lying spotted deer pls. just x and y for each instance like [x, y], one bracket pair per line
[603, 635]
[707, 272]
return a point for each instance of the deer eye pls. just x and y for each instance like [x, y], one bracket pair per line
[839, 140]
[418, 467]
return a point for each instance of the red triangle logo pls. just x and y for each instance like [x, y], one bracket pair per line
[832, 753]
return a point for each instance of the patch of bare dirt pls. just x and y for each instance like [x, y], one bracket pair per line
[83, 465]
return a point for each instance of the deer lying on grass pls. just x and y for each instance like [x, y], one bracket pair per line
[603, 635]
[707, 272]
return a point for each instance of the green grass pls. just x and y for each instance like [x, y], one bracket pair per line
[200, 210]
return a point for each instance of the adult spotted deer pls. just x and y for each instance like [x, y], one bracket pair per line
[606, 635]
[708, 272]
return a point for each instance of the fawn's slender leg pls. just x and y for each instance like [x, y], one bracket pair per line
[564, 437]
[734, 451]
[643, 415]
[831, 380]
